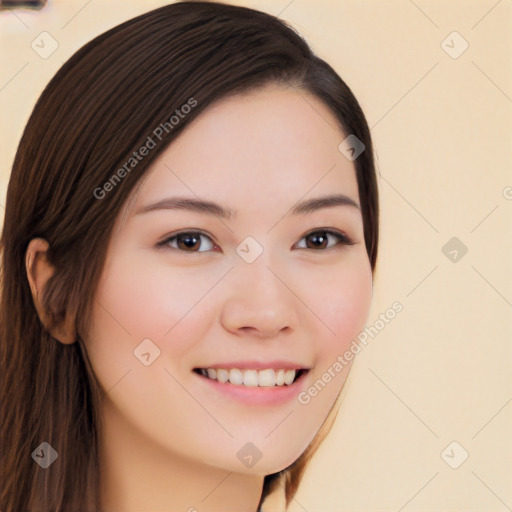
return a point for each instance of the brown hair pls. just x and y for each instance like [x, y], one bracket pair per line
[98, 109]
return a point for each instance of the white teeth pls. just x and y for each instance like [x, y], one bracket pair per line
[267, 378]
[222, 375]
[235, 376]
[289, 375]
[251, 378]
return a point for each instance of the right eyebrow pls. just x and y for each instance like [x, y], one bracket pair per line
[190, 204]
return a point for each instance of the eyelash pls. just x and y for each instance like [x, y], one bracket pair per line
[343, 239]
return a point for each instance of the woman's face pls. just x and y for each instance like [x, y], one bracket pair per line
[264, 290]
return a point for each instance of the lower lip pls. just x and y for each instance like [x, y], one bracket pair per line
[258, 395]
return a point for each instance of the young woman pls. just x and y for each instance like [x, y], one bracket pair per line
[189, 242]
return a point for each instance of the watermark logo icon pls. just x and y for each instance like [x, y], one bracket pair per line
[249, 249]
[44, 45]
[351, 147]
[249, 455]
[146, 352]
[454, 249]
[454, 455]
[454, 45]
[45, 455]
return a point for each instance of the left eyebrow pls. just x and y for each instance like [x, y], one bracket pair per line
[209, 207]
[317, 203]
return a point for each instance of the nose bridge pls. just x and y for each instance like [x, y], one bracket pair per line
[260, 277]
[258, 299]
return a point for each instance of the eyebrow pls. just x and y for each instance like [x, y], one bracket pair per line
[209, 207]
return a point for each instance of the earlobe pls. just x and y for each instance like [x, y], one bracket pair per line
[39, 270]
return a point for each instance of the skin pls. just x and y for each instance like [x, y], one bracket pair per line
[170, 441]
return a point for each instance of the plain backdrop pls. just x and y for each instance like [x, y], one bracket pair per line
[433, 386]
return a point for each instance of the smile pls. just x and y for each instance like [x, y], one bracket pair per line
[268, 377]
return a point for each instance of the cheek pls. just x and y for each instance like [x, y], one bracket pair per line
[137, 300]
[344, 303]
[150, 300]
[144, 300]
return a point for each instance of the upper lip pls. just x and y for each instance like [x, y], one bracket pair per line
[257, 365]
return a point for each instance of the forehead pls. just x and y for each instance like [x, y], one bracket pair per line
[254, 151]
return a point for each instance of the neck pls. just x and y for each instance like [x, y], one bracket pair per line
[137, 474]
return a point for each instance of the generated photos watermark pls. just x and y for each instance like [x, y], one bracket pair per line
[343, 360]
[151, 142]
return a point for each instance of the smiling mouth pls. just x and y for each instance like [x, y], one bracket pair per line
[267, 378]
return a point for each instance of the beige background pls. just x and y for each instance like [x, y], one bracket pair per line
[441, 370]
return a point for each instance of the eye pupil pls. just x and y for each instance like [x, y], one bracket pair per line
[319, 235]
[186, 238]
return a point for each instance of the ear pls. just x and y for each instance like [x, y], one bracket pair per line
[39, 270]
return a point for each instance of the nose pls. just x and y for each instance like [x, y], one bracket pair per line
[259, 301]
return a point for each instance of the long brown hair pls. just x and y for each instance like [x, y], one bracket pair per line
[98, 109]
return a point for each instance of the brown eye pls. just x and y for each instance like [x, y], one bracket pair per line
[187, 241]
[318, 240]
